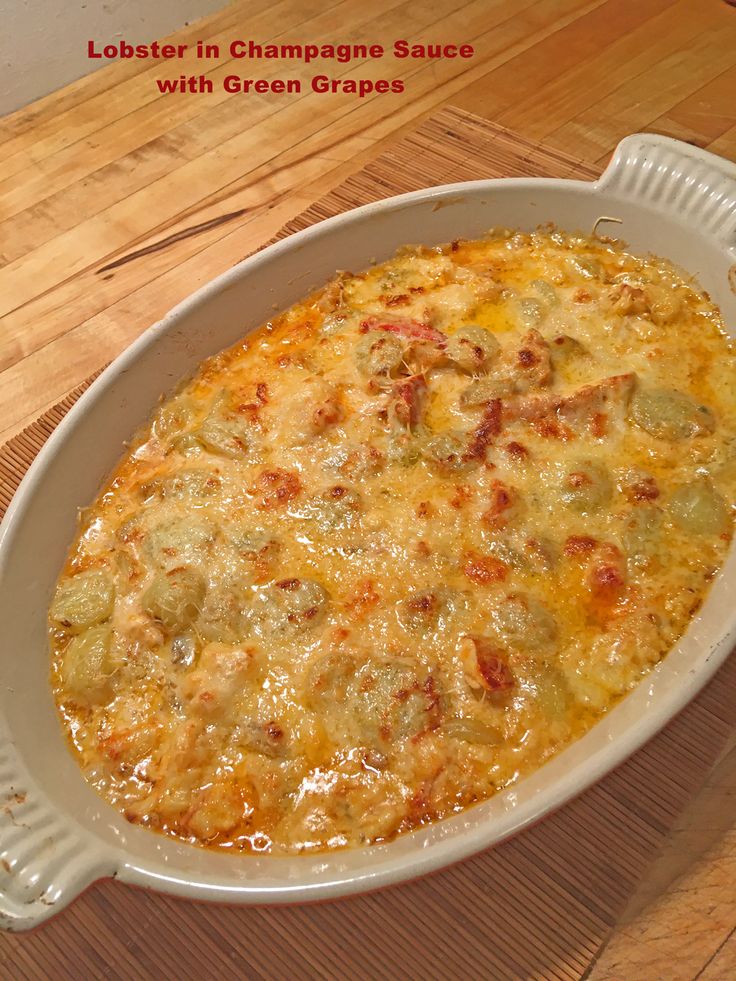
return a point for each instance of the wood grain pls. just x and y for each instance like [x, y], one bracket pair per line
[107, 165]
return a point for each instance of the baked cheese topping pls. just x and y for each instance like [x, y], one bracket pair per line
[400, 545]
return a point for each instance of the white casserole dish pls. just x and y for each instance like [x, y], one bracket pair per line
[56, 834]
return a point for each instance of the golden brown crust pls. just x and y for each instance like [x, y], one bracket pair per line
[399, 546]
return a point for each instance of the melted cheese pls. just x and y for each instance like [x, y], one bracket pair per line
[399, 546]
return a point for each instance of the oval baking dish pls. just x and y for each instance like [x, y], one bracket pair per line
[56, 834]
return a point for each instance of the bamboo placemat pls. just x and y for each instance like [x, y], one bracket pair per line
[540, 906]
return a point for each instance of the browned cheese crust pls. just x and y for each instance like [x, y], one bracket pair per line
[399, 546]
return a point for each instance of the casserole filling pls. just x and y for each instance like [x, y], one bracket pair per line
[400, 545]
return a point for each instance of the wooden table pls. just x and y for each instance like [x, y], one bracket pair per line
[107, 166]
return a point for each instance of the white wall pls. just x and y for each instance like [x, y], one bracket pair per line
[43, 43]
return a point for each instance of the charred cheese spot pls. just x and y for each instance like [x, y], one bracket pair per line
[275, 488]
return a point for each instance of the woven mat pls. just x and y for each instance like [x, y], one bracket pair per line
[540, 906]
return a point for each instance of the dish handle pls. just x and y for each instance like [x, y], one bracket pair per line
[669, 174]
[46, 860]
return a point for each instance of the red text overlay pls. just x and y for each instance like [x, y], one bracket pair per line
[240, 50]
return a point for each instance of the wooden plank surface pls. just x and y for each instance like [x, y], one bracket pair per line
[107, 165]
